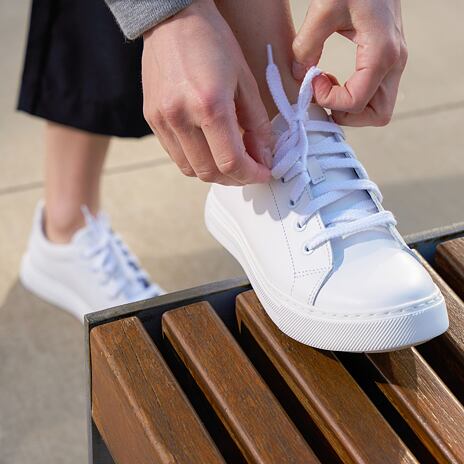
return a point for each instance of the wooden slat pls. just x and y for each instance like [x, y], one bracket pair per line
[455, 306]
[446, 352]
[137, 405]
[244, 403]
[424, 401]
[346, 416]
[449, 260]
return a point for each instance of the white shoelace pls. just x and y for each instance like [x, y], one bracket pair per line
[112, 260]
[294, 158]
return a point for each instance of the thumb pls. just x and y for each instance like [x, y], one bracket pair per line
[254, 120]
[309, 42]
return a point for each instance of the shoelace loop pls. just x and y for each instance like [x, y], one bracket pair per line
[113, 260]
[295, 158]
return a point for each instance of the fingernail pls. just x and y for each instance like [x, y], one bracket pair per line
[268, 157]
[298, 70]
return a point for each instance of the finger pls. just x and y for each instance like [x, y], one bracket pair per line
[171, 145]
[374, 59]
[225, 141]
[254, 120]
[199, 155]
[379, 110]
[307, 46]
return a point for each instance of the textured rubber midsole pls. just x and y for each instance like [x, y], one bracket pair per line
[312, 328]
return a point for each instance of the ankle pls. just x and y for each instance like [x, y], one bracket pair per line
[60, 229]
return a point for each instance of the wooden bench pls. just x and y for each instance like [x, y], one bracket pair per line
[204, 377]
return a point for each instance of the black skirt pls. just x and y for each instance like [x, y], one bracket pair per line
[79, 70]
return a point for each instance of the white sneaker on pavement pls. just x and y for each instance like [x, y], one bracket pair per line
[94, 271]
[323, 256]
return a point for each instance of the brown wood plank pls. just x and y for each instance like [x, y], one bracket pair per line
[340, 408]
[137, 405]
[446, 352]
[449, 261]
[424, 401]
[244, 403]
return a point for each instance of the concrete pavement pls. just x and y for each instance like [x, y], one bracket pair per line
[417, 161]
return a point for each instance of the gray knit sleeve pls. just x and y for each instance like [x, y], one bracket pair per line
[137, 16]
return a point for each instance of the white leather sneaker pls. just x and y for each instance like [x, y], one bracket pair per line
[322, 255]
[94, 271]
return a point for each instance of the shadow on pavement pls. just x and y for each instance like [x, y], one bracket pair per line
[42, 394]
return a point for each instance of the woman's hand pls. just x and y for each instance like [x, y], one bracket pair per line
[202, 100]
[375, 26]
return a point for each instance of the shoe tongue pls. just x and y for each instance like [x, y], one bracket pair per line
[84, 237]
[316, 113]
[90, 233]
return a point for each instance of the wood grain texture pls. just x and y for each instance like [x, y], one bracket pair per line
[446, 352]
[424, 401]
[339, 407]
[248, 409]
[449, 261]
[137, 405]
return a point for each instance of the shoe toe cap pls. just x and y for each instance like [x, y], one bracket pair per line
[381, 278]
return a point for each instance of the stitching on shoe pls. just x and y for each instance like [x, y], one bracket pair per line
[306, 272]
[318, 284]
[286, 238]
[399, 311]
[360, 315]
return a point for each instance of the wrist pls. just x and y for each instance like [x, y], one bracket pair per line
[197, 8]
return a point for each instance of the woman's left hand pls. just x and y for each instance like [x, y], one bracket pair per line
[368, 97]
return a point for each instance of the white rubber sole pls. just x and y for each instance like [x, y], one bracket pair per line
[332, 330]
[52, 290]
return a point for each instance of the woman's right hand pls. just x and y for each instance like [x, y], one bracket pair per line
[202, 100]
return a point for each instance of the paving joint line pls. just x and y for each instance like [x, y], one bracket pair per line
[35, 185]
[432, 110]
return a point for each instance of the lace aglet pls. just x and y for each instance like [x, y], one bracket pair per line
[89, 219]
[85, 211]
[270, 58]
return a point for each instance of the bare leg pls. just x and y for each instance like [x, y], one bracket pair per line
[73, 165]
[257, 23]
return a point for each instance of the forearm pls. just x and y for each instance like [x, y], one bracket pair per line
[137, 16]
[254, 31]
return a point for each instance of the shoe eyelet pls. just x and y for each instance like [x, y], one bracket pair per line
[291, 204]
[282, 180]
[300, 227]
[307, 250]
